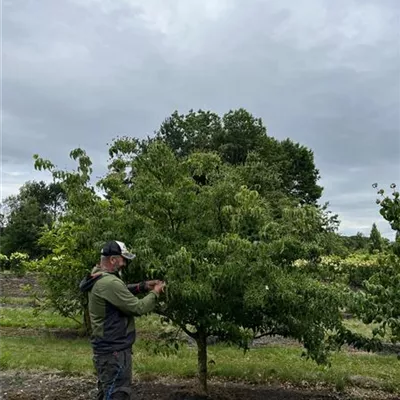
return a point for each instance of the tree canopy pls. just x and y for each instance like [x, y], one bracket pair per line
[225, 249]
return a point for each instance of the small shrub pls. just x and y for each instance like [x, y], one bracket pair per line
[4, 262]
[353, 270]
[32, 265]
[361, 267]
[18, 263]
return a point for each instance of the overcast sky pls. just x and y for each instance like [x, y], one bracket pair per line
[324, 73]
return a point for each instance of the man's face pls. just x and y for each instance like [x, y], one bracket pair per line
[118, 262]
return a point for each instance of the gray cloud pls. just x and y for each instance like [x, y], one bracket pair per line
[80, 72]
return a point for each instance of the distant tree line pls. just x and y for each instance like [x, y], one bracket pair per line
[25, 214]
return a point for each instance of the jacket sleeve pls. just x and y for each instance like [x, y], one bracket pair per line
[136, 288]
[116, 292]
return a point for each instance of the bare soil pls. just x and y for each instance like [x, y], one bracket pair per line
[44, 386]
[12, 286]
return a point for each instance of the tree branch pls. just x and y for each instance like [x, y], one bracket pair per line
[77, 321]
[193, 335]
[221, 225]
[269, 333]
[171, 220]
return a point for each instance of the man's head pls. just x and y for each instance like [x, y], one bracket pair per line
[114, 255]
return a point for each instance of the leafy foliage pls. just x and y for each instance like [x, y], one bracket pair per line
[379, 302]
[390, 207]
[62, 269]
[75, 240]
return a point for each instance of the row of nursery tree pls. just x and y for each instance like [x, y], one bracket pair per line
[229, 217]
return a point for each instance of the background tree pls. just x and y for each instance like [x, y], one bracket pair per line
[36, 205]
[358, 242]
[375, 240]
[195, 131]
[237, 135]
[299, 173]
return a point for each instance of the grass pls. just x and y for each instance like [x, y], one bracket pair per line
[272, 364]
[35, 353]
[358, 326]
[27, 318]
[17, 301]
[19, 317]
[268, 364]
[284, 364]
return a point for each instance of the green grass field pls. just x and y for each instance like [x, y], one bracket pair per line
[271, 364]
[27, 318]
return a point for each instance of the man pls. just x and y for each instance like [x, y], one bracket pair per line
[112, 308]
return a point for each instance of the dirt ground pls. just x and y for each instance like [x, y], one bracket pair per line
[44, 386]
[12, 286]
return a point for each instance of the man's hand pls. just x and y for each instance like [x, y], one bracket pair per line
[159, 287]
[150, 284]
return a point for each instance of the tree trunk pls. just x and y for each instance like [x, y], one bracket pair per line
[201, 341]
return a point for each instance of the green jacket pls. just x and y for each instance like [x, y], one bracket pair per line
[112, 308]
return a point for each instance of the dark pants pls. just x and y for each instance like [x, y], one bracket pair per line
[114, 375]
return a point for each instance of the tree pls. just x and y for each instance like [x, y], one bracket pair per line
[242, 133]
[195, 131]
[239, 135]
[396, 244]
[390, 207]
[379, 300]
[375, 240]
[299, 173]
[225, 251]
[37, 204]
